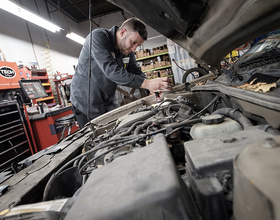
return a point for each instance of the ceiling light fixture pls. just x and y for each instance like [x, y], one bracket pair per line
[76, 38]
[27, 15]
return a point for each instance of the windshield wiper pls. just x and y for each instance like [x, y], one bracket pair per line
[272, 53]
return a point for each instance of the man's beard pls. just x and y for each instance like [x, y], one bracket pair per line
[122, 46]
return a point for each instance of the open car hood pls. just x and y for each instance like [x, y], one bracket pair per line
[208, 30]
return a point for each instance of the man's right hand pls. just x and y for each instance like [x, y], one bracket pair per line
[157, 84]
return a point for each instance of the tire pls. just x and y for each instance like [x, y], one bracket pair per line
[202, 72]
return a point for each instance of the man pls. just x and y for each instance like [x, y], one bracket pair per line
[112, 63]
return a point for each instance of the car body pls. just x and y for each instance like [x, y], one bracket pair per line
[209, 150]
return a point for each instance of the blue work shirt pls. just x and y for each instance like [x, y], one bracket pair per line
[109, 68]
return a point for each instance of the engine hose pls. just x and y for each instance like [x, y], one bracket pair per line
[96, 148]
[130, 123]
[184, 132]
[181, 110]
[48, 187]
[174, 126]
[184, 123]
[167, 100]
[186, 128]
[81, 161]
[81, 170]
[139, 128]
[206, 107]
[175, 107]
[131, 128]
[76, 163]
[173, 131]
[273, 131]
[235, 115]
[269, 129]
[148, 123]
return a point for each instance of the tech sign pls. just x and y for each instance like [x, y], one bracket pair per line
[7, 72]
[9, 75]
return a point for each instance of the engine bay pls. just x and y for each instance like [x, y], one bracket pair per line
[168, 160]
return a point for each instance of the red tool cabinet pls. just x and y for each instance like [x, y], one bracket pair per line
[45, 130]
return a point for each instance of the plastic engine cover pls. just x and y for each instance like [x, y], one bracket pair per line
[209, 162]
[256, 180]
[142, 185]
[209, 156]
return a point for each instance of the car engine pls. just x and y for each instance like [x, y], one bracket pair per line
[177, 159]
[208, 151]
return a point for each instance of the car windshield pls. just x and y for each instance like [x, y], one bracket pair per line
[265, 45]
[260, 49]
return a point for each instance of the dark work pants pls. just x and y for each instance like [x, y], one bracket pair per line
[80, 117]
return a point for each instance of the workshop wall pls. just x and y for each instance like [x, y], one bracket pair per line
[155, 39]
[24, 42]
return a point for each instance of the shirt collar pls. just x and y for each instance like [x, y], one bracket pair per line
[113, 32]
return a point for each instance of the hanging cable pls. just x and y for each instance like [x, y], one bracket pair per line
[31, 40]
[182, 68]
[47, 57]
[89, 71]
[206, 107]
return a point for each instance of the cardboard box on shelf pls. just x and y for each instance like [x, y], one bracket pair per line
[156, 64]
[141, 65]
[168, 72]
[152, 63]
[167, 61]
[155, 50]
[163, 63]
[158, 61]
[165, 48]
[155, 74]
[149, 75]
[146, 66]
[163, 73]
[158, 49]
[149, 66]
[139, 54]
[172, 81]
[146, 53]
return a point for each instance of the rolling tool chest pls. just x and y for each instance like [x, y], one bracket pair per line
[14, 140]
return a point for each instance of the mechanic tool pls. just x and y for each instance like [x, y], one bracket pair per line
[158, 99]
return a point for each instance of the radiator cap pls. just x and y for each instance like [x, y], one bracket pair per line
[213, 119]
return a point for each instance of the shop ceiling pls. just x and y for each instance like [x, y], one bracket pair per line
[78, 10]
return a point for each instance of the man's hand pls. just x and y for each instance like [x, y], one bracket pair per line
[157, 84]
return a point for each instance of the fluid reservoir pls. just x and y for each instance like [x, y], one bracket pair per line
[214, 124]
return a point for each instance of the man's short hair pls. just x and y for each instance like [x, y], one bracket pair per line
[134, 24]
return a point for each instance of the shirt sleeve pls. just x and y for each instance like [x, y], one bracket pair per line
[106, 62]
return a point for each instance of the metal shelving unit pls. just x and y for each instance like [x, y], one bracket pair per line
[14, 140]
[151, 56]
[158, 68]
[161, 68]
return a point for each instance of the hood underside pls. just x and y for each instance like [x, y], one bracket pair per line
[208, 30]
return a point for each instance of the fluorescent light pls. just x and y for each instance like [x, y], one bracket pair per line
[27, 15]
[76, 38]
